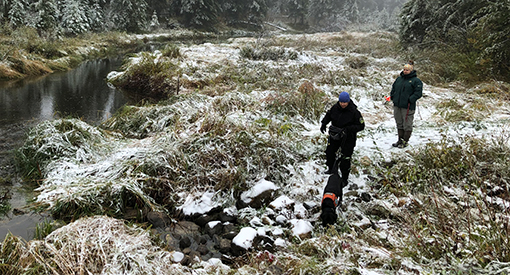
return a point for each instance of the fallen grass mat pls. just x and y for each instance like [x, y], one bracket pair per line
[94, 245]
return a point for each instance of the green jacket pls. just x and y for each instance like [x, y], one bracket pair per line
[406, 90]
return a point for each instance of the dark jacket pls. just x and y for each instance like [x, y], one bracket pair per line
[406, 90]
[348, 118]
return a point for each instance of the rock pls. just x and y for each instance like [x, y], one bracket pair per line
[158, 219]
[202, 220]
[185, 228]
[213, 228]
[202, 249]
[230, 231]
[302, 229]
[243, 241]
[366, 197]
[225, 246]
[310, 205]
[279, 242]
[281, 220]
[184, 242]
[172, 242]
[237, 250]
[227, 217]
[267, 221]
[203, 239]
[260, 194]
[186, 261]
[256, 222]
[263, 243]
[177, 257]
[282, 202]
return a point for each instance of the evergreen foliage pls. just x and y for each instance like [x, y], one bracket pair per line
[78, 16]
[74, 18]
[95, 15]
[321, 10]
[492, 22]
[199, 13]
[240, 11]
[17, 13]
[129, 15]
[471, 28]
[47, 13]
[298, 10]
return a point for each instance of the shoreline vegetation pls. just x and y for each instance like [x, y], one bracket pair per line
[210, 129]
[25, 54]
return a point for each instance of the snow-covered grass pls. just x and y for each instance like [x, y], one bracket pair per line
[440, 205]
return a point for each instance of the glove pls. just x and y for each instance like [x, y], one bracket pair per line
[323, 128]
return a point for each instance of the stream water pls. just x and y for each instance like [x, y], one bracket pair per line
[82, 92]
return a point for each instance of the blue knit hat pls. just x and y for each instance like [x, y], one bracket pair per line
[344, 97]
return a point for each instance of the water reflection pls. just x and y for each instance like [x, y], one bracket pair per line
[82, 92]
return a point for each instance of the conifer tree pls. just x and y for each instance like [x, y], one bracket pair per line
[74, 18]
[298, 10]
[17, 13]
[199, 13]
[154, 24]
[47, 13]
[323, 10]
[129, 15]
[242, 11]
[95, 14]
[492, 24]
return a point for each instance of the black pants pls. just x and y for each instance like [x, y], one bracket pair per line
[345, 160]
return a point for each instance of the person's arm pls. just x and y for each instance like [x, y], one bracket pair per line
[417, 91]
[325, 121]
[358, 124]
[392, 93]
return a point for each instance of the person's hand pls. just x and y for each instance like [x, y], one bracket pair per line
[323, 128]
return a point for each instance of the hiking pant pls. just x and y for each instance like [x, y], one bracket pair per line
[345, 159]
[404, 118]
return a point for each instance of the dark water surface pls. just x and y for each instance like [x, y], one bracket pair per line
[82, 92]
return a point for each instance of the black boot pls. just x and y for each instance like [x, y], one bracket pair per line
[401, 134]
[345, 169]
[334, 168]
[405, 142]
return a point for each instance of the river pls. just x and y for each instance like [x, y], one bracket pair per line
[81, 93]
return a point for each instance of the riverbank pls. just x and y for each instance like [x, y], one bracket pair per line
[24, 54]
[241, 126]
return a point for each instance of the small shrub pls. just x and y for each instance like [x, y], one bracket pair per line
[51, 140]
[171, 50]
[452, 214]
[357, 62]
[307, 101]
[149, 78]
[274, 54]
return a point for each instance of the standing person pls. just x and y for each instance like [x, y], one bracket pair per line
[346, 122]
[405, 91]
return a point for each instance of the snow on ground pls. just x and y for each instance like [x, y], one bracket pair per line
[307, 181]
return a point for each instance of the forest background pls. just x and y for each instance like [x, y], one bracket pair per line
[452, 40]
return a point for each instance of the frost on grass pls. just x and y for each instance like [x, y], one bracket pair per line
[440, 205]
[98, 245]
[194, 143]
